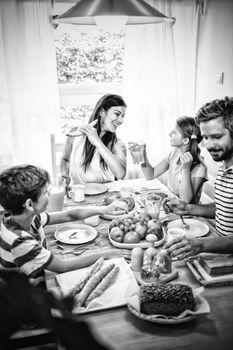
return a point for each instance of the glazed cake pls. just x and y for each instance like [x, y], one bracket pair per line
[169, 299]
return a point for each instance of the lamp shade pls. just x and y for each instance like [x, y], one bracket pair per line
[136, 11]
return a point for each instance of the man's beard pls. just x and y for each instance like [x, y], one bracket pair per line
[220, 154]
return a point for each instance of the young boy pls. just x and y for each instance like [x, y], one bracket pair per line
[24, 192]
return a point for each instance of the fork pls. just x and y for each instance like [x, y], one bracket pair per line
[185, 226]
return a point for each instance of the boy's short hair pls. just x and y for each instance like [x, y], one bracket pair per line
[217, 108]
[19, 183]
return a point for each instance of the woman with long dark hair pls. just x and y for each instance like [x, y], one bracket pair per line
[186, 169]
[93, 152]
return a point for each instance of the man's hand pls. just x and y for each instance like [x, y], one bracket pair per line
[116, 208]
[182, 248]
[175, 205]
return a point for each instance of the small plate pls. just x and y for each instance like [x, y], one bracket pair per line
[85, 233]
[92, 189]
[196, 228]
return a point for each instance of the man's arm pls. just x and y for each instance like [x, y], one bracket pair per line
[182, 248]
[181, 208]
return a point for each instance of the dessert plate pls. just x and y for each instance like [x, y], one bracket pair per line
[75, 234]
[92, 189]
[196, 228]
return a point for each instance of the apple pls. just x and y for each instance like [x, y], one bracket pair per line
[117, 234]
[141, 230]
[155, 227]
[131, 237]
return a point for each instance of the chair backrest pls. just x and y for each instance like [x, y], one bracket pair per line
[56, 153]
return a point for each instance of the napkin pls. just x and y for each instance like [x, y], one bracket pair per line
[202, 305]
[217, 264]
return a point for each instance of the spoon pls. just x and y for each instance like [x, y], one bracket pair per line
[185, 226]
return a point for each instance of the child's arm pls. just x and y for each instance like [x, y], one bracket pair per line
[80, 213]
[153, 172]
[189, 186]
[63, 265]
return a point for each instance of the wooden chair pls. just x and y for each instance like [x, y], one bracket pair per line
[56, 153]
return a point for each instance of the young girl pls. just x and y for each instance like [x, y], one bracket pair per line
[93, 152]
[186, 169]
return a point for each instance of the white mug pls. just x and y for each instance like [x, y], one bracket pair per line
[77, 193]
[56, 199]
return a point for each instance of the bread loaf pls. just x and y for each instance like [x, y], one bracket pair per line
[169, 299]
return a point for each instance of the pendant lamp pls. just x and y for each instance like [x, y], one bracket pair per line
[128, 12]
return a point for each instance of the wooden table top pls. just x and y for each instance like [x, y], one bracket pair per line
[118, 329]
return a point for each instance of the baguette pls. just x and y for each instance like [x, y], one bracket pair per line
[104, 284]
[80, 284]
[92, 283]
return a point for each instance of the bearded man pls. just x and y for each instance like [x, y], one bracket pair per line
[216, 124]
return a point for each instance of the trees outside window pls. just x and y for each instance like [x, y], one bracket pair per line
[89, 64]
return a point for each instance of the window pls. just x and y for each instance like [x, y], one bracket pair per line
[89, 64]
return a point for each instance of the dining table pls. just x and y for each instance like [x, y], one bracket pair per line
[117, 328]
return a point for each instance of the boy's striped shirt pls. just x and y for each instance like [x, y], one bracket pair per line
[224, 201]
[23, 250]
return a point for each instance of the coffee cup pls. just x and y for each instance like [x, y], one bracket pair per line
[77, 193]
[56, 199]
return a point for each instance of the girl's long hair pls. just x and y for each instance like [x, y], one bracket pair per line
[109, 138]
[190, 129]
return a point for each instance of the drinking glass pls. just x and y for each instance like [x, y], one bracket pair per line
[136, 150]
[153, 206]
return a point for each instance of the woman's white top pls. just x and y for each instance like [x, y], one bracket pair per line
[94, 173]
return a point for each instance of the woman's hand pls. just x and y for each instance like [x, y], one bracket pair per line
[186, 160]
[91, 132]
[182, 248]
[64, 180]
[116, 208]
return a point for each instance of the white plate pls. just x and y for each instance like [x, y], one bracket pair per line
[95, 188]
[84, 234]
[142, 244]
[196, 228]
[113, 296]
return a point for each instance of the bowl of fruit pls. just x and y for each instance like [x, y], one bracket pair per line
[131, 230]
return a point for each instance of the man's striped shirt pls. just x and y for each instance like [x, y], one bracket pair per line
[224, 201]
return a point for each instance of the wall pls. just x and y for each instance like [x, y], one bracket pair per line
[215, 55]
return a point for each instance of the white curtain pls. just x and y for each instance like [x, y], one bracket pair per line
[29, 104]
[159, 77]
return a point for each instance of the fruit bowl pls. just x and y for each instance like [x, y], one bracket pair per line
[127, 232]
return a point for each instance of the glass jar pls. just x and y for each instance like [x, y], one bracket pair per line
[150, 271]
